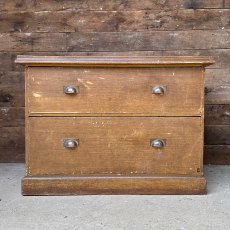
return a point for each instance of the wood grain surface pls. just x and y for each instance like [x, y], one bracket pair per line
[131, 27]
[112, 185]
[114, 61]
[12, 117]
[12, 140]
[217, 154]
[158, 40]
[115, 91]
[110, 21]
[110, 5]
[114, 146]
[217, 115]
[217, 134]
[115, 41]
[227, 3]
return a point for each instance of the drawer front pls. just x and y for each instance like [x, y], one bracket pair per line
[114, 146]
[112, 91]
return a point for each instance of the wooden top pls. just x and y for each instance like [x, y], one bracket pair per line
[122, 61]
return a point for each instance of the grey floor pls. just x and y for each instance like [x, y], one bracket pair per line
[210, 211]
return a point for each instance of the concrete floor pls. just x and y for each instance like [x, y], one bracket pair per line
[210, 211]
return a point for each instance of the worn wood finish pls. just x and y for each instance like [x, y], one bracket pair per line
[12, 139]
[217, 135]
[110, 21]
[158, 40]
[13, 154]
[6, 62]
[10, 135]
[221, 57]
[218, 94]
[219, 68]
[12, 117]
[8, 78]
[27, 42]
[114, 146]
[217, 154]
[113, 61]
[11, 96]
[227, 3]
[112, 185]
[110, 5]
[217, 115]
[217, 88]
[187, 27]
[116, 41]
[214, 115]
[108, 91]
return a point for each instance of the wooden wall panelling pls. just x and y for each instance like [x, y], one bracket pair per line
[6, 62]
[133, 27]
[111, 21]
[12, 155]
[217, 115]
[54, 5]
[15, 42]
[11, 89]
[12, 116]
[217, 121]
[12, 122]
[217, 154]
[159, 40]
[217, 135]
[11, 78]
[217, 86]
[25, 42]
[12, 144]
[11, 96]
[12, 137]
[227, 3]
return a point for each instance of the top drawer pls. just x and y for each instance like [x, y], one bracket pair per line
[115, 91]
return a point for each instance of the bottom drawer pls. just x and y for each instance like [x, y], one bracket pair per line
[114, 146]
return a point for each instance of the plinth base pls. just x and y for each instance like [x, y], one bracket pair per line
[112, 185]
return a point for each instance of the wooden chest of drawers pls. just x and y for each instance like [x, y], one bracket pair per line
[114, 125]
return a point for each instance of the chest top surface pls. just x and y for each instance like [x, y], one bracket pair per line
[122, 61]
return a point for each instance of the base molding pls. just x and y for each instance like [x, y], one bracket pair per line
[112, 185]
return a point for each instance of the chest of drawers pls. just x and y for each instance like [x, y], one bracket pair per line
[114, 125]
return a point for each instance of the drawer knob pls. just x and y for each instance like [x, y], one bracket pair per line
[160, 90]
[71, 143]
[71, 89]
[158, 143]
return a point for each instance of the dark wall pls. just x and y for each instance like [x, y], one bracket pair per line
[115, 27]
